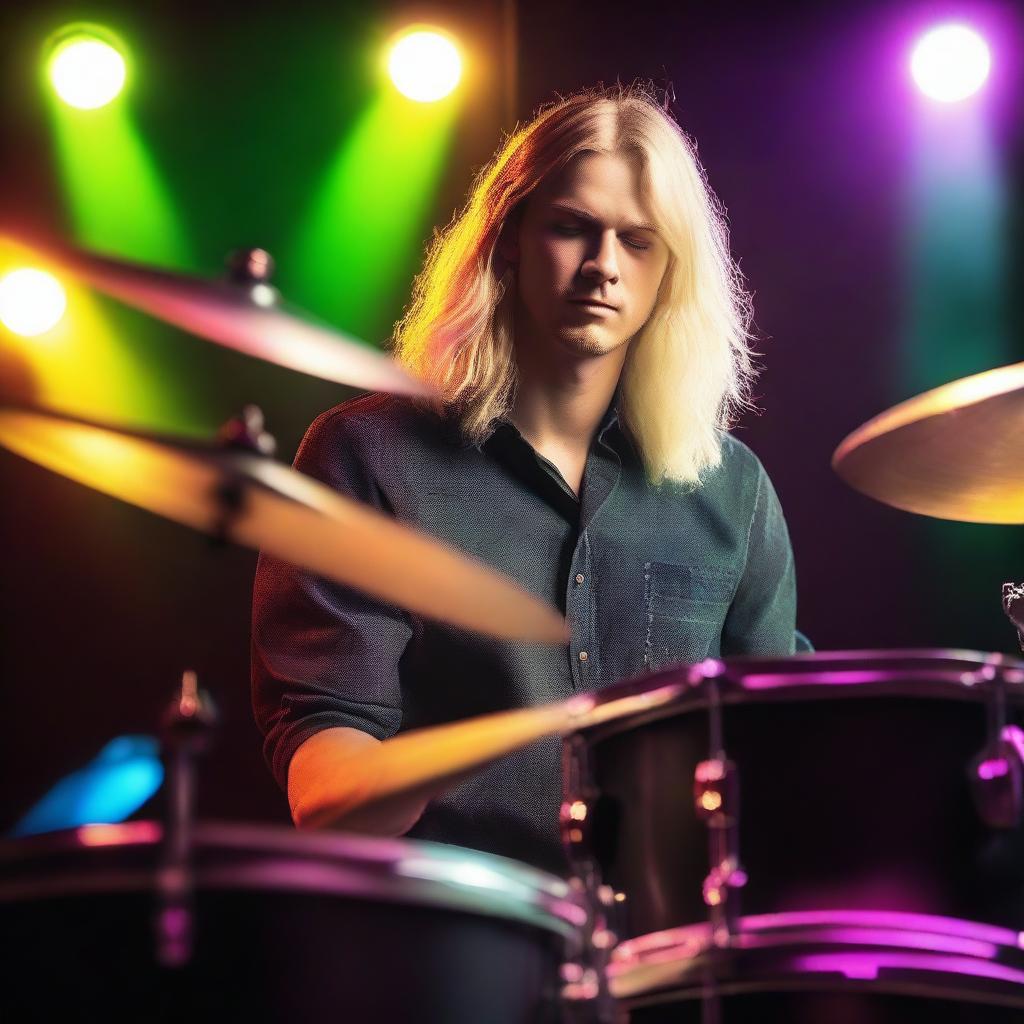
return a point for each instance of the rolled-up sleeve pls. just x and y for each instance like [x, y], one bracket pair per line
[762, 618]
[323, 654]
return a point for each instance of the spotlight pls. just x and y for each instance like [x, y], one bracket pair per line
[424, 65]
[950, 63]
[86, 70]
[31, 301]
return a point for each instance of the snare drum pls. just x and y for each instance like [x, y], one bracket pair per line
[845, 824]
[289, 926]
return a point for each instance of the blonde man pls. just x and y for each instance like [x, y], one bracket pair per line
[587, 332]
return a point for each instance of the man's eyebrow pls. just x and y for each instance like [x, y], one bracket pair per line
[583, 215]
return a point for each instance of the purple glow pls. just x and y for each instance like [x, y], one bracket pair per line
[865, 966]
[935, 943]
[1014, 735]
[174, 923]
[994, 768]
[837, 677]
[889, 919]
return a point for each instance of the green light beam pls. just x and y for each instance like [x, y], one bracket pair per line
[360, 241]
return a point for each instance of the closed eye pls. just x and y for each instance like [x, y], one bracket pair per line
[572, 230]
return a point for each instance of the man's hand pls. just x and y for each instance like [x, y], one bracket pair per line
[325, 791]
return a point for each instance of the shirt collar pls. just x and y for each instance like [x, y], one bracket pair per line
[609, 418]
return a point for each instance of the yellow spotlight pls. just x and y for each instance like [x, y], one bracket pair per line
[425, 65]
[31, 301]
[86, 71]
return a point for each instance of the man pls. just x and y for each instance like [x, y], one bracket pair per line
[586, 330]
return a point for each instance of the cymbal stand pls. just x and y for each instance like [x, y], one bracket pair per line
[1013, 607]
[186, 730]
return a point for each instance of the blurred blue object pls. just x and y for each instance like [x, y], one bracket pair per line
[110, 788]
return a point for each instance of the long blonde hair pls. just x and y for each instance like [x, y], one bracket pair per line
[688, 370]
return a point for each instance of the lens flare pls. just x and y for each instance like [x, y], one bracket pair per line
[31, 301]
[425, 66]
[87, 72]
[950, 63]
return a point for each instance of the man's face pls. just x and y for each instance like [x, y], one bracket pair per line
[586, 234]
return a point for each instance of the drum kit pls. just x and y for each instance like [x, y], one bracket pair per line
[873, 872]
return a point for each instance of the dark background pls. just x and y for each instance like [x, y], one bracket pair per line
[801, 114]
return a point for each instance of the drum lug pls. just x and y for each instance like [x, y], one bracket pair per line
[997, 780]
[996, 773]
[716, 795]
[716, 801]
[716, 792]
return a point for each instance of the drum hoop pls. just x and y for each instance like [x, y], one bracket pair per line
[968, 679]
[882, 951]
[937, 986]
[411, 872]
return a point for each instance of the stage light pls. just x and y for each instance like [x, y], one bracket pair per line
[425, 65]
[950, 63]
[31, 301]
[86, 70]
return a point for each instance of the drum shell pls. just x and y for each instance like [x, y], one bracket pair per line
[284, 930]
[858, 800]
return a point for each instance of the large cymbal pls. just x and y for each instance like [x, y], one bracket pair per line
[953, 453]
[231, 314]
[287, 514]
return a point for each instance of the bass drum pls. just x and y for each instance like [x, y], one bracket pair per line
[287, 927]
[824, 837]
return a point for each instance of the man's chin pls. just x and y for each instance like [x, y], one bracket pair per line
[587, 342]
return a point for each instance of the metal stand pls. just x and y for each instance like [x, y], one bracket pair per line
[585, 988]
[186, 730]
[716, 796]
[243, 433]
[997, 771]
[1013, 606]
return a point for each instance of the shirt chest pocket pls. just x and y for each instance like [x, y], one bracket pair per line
[685, 610]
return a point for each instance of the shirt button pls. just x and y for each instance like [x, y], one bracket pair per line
[583, 655]
[579, 577]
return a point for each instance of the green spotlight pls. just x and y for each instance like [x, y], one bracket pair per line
[425, 65]
[87, 70]
[116, 197]
[31, 301]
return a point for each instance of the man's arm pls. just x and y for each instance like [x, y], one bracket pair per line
[326, 659]
[320, 797]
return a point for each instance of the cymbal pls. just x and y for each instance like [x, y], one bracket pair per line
[244, 317]
[256, 502]
[952, 453]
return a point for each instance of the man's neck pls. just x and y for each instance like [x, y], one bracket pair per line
[559, 408]
[560, 400]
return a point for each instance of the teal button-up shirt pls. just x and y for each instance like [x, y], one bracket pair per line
[648, 576]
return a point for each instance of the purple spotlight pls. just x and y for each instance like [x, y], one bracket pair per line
[950, 63]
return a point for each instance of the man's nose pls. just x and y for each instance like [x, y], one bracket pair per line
[602, 265]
